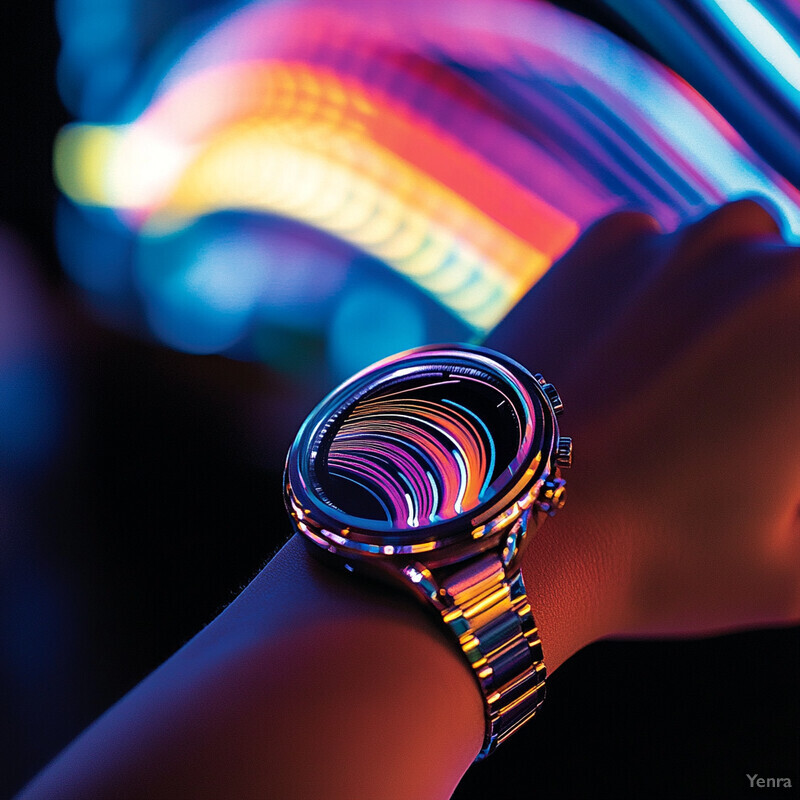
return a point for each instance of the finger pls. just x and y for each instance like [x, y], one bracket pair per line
[705, 274]
[748, 219]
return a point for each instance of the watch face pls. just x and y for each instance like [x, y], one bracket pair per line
[419, 442]
[421, 451]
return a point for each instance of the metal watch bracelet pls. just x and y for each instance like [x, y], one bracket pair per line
[492, 620]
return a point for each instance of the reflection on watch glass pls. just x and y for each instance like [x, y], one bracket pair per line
[421, 450]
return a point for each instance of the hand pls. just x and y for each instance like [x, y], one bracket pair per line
[677, 356]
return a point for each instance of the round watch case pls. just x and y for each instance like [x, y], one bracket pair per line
[529, 484]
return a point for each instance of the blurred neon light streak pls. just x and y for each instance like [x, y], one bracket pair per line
[123, 167]
[329, 155]
[307, 98]
[559, 47]
[687, 121]
[700, 41]
[762, 38]
[463, 144]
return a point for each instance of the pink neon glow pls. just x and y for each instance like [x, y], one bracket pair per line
[427, 460]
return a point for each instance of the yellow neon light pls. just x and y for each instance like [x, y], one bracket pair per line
[303, 143]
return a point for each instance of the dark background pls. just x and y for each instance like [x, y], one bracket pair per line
[161, 498]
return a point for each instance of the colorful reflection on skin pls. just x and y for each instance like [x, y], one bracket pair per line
[422, 460]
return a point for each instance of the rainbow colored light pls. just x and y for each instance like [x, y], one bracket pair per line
[462, 145]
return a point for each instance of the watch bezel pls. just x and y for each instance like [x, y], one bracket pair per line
[476, 529]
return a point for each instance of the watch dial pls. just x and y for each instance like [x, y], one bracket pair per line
[415, 451]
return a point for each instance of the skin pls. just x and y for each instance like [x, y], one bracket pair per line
[686, 489]
[676, 356]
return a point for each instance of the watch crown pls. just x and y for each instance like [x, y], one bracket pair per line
[553, 397]
[564, 452]
[552, 496]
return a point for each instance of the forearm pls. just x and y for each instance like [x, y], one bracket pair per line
[309, 684]
[277, 695]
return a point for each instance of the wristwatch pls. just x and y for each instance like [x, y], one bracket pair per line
[430, 470]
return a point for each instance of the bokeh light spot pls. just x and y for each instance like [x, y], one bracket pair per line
[370, 323]
[94, 249]
[201, 287]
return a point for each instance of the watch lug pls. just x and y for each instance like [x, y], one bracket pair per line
[423, 584]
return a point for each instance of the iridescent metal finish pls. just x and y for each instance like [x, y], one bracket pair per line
[491, 617]
[467, 566]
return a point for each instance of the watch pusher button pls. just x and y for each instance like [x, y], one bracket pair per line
[554, 398]
[552, 496]
[564, 452]
[551, 392]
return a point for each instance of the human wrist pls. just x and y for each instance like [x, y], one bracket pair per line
[272, 698]
[577, 571]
